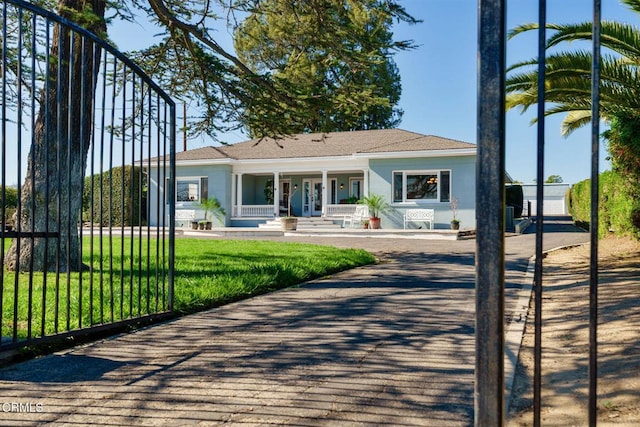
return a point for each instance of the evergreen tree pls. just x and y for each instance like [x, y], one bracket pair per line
[333, 56]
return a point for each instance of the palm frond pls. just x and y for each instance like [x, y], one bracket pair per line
[574, 120]
[568, 74]
[634, 5]
[521, 99]
[522, 29]
[523, 64]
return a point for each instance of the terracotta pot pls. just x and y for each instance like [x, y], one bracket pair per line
[374, 223]
[289, 223]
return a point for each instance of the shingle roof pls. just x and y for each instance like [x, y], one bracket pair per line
[327, 145]
[202, 153]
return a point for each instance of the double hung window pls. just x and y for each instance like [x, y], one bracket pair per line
[190, 189]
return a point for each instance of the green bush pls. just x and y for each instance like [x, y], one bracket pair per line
[118, 197]
[619, 209]
[10, 197]
[579, 203]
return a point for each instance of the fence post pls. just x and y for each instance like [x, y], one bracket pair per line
[490, 198]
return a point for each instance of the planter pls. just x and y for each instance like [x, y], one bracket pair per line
[205, 225]
[374, 223]
[289, 223]
[194, 225]
[455, 225]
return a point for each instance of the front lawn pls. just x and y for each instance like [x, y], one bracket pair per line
[208, 273]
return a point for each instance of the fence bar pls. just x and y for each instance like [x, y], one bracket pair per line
[16, 297]
[489, 386]
[172, 205]
[32, 113]
[3, 155]
[595, 170]
[537, 276]
[47, 189]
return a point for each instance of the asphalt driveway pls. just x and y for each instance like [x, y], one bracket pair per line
[388, 344]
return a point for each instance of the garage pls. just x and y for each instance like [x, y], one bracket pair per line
[555, 199]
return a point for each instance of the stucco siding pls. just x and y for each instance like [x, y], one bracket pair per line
[219, 185]
[463, 187]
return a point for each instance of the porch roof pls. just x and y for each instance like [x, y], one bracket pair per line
[334, 144]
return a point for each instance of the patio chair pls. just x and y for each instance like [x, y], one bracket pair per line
[361, 213]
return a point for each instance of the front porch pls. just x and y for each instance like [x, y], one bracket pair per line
[325, 194]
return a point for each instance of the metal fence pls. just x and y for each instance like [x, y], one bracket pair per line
[489, 401]
[78, 118]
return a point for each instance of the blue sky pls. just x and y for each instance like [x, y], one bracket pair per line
[439, 80]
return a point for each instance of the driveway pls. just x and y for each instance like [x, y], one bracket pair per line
[388, 344]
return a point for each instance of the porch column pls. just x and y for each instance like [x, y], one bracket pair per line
[276, 194]
[324, 193]
[234, 194]
[239, 195]
[365, 190]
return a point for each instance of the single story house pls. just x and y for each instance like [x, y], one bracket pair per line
[322, 175]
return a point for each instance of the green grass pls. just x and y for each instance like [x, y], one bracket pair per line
[208, 273]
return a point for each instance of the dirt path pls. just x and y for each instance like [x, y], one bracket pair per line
[565, 340]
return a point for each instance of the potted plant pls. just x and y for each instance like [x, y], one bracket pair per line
[289, 222]
[455, 222]
[376, 204]
[365, 224]
[211, 204]
[351, 200]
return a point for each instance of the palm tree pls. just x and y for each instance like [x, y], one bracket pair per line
[568, 78]
[568, 73]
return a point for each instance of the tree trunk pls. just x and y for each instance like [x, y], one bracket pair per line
[51, 195]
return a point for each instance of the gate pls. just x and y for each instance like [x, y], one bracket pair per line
[489, 388]
[79, 123]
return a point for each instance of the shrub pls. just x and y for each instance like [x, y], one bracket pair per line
[10, 197]
[123, 198]
[619, 210]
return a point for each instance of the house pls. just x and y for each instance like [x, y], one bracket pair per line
[321, 175]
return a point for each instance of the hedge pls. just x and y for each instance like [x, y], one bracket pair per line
[122, 186]
[619, 209]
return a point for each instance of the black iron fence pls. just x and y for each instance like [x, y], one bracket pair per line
[490, 381]
[78, 118]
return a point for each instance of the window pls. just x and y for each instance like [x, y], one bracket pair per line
[355, 188]
[333, 192]
[417, 186]
[190, 189]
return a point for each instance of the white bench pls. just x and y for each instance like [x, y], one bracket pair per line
[186, 215]
[419, 215]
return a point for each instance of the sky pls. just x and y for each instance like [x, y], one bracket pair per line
[439, 79]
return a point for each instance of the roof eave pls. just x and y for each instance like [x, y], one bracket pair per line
[456, 152]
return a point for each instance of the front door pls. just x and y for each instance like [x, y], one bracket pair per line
[312, 197]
